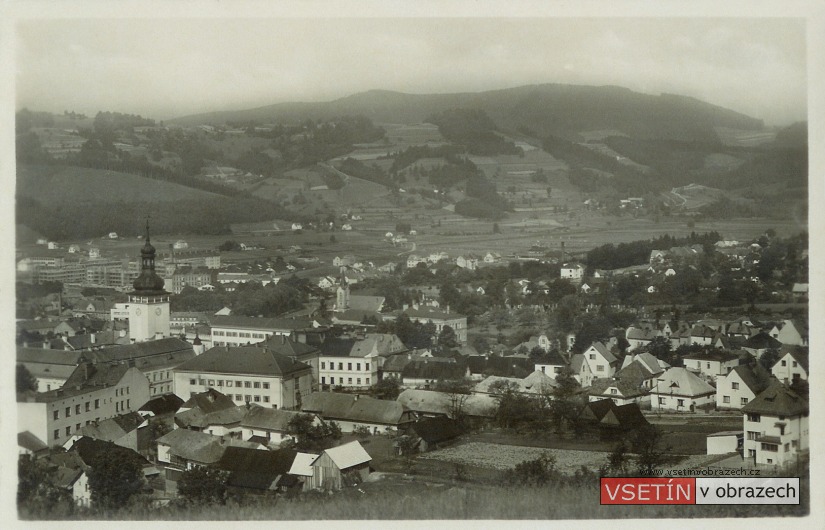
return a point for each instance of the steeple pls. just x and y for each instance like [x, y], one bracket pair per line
[148, 282]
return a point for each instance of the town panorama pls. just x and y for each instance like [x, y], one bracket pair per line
[397, 306]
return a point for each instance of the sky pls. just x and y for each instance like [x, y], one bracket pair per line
[165, 68]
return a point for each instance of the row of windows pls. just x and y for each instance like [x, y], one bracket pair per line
[120, 408]
[161, 388]
[679, 402]
[121, 391]
[243, 334]
[248, 399]
[56, 432]
[742, 401]
[155, 376]
[229, 383]
[341, 366]
[68, 412]
[341, 381]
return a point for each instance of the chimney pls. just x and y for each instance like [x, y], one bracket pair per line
[92, 338]
[122, 333]
[45, 345]
[283, 339]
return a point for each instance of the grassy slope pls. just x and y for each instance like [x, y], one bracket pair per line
[65, 183]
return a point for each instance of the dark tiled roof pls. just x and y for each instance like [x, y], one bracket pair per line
[552, 357]
[435, 430]
[165, 404]
[712, 355]
[596, 410]
[270, 419]
[334, 406]
[626, 387]
[337, 347]
[286, 346]
[254, 468]
[777, 400]
[208, 401]
[251, 360]
[424, 369]
[29, 441]
[624, 416]
[89, 449]
[762, 341]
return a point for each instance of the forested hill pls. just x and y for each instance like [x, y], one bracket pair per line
[550, 109]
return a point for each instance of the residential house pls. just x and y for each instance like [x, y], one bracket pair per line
[572, 271]
[355, 362]
[50, 368]
[67, 471]
[251, 471]
[602, 363]
[345, 465]
[425, 372]
[551, 364]
[93, 392]
[702, 334]
[681, 390]
[711, 364]
[429, 404]
[128, 430]
[620, 391]
[740, 386]
[581, 370]
[211, 412]
[760, 343]
[640, 337]
[248, 374]
[776, 425]
[792, 332]
[353, 411]
[269, 427]
[792, 364]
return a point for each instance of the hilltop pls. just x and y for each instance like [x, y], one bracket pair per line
[548, 109]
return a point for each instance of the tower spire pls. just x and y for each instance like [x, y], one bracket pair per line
[147, 228]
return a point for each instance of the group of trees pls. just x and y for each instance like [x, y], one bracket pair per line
[248, 299]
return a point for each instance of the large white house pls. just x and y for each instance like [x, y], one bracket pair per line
[240, 331]
[739, 387]
[681, 390]
[775, 425]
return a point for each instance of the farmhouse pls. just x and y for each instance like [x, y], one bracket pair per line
[352, 411]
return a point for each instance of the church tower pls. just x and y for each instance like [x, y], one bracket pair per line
[342, 294]
[149, 302]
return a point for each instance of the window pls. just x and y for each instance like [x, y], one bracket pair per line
[129, 404]
[751, 452]
[349, 380]
[211, 382]
[614, 391]
[247, 384]
[257, 399]
[68, 412]
[592, 356]
[542, 369]
[323, 380]
[192, 382]
[708, 365]
[97, 404]
[229, 383]
[784, 363]
[600, 368]
[56, 434]
[349, 366]
[734, 386]
[753, 435]
[340, 366]
[661, 401]
[266, 386]
[247, 398]
[76, 427]
[257, 384]
[358, 381]
[787, 447]
[680, 402]
[117, 406]
[266, 399]
[744, 401]
[56, 415]
[770, 447]
[238, 397]
[238, 384]
[202, 382]
[770, 460]
[88, 406]
[754, 418]
[794, 364]
[358, 367]
[368, 380]
[220, 382]
[332, 380]
[68, 431]
[323, 365]
[366, 366]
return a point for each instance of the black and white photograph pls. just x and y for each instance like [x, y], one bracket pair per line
[367, 261]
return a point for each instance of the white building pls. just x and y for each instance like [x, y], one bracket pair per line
[775, 425]
[681, 390]
[739, 387]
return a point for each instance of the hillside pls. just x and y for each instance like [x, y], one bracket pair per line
[76, 184]
[561, 110]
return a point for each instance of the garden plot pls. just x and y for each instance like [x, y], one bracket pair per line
[504, 457]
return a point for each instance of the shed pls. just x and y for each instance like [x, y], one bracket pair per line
[346, 464]
[724, 442]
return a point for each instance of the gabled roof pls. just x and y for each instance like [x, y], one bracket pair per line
[624, 416]
[269, 419]
[163, 404]
[85, 378]
[798, 353]
[424, 369]
[432, 402]
[29, 441]
[635, 373]
[595, 410]
[113, 429]
[552, 358]
[383, 344]
[196, 418]
[286, 346]
[247, 360]
[721, 356]
[333, 406]
[254, 468]
[681, 382]
[535, 383]
[762, 341]
[302, 464]
[435, 430]
[199, 446]
[634, 333]
[625, 387]
[777, 400]
[348, 455]
[89, 448]
[208, 401]
[755, 378]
